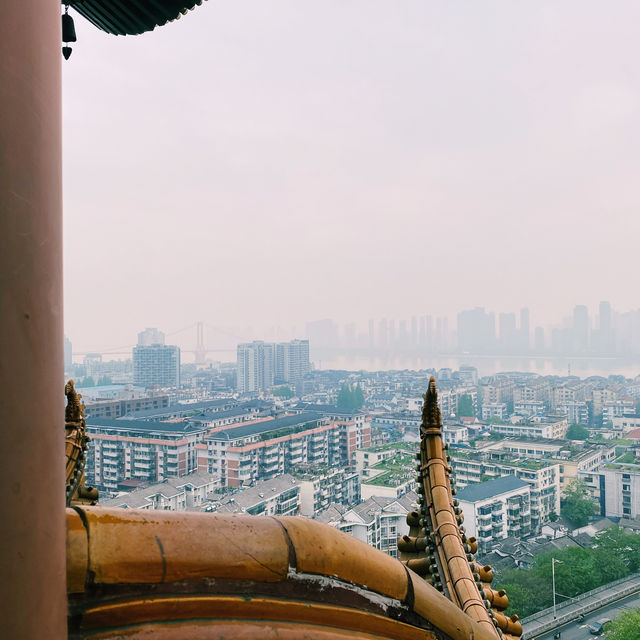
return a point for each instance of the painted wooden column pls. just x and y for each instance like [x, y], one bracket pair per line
[32, 527]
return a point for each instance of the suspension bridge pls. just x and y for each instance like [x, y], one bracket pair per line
[200, 350]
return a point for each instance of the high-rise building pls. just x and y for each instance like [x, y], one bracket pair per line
[156, 365]
[525, 329]
[580, 328]
[292, 361]
[150, 336]
[68, 354]
[476, 330]
[256, 366]
[507, 327]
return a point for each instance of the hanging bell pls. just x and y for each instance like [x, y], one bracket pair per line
[68, 29]
[68, 33]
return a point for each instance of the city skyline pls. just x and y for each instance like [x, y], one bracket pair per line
[436, 151]
[502, 332]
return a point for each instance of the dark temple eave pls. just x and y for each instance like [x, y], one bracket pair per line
[131, 17]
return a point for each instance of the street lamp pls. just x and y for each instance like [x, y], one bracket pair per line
[553, 580]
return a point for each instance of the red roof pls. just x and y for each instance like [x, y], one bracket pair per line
[634, 434]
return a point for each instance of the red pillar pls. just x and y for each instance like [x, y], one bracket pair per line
[32, 527]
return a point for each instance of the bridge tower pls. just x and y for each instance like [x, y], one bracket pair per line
[201, 351]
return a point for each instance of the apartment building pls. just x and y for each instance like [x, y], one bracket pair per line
[552, 428]
[322, 486]
[536, 391]
[256, 366]
[117, 408]
[264, 448]
[528, 408]
[571, 459]
[577, 412]
[497, 390]
[616, 487]
[567, 392]
[626, 423]
[366, 458]
[279, 496]
[392, 475]
[541, 475]
[130, 452]
[618, 409]
[156, 365]
[495, 410]
[496, 509]
[378, 521]
[174, 494]
[292, 361]
[354, 426]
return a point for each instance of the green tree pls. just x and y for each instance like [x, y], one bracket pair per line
[350, 397]
[626, 627]
[103, 380]
[282, 392]
[577, 432]
[465, 405]
[577, 505]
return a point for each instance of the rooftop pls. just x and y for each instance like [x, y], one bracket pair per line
[286, 425]
[240, 501]
[395, 471]
[142, 426]
[490, 489]
[171, 487]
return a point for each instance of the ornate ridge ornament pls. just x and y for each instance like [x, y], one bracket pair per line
[437, 547]
[76, 444]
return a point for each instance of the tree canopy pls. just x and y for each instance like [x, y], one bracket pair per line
[350, 397]
[578, 506]
[282, 392]
[465, 405]
[614, 555]
[577, 432]
[626, 627]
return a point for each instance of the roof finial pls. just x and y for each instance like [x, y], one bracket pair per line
[431, 417]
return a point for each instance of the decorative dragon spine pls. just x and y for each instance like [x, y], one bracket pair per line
[76, 444]
[436, 547]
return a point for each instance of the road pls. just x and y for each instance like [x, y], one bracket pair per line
[579, 631]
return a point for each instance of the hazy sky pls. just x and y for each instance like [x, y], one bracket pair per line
[259, 163]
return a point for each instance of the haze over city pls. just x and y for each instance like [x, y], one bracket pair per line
[274, 164]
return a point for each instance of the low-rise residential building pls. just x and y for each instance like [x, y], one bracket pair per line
[391, 478]
[572, 458]
[262, 449]
[174, 494]
[496, 509]
[371, 456]
[616, 487]
[543, 476]
[528, 408]
[455, 433]
[626, 423]
[116, 408]
[354, 426]
[378, 521]
[126, 453]
[553, 428]
[618, 409]
[495, 410]
[321, 486]
[279, 496]
[577, 412]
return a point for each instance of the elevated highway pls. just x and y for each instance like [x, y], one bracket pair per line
[607, 601]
